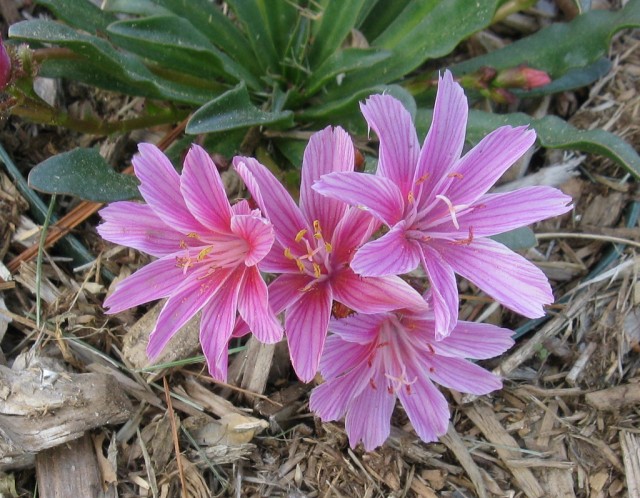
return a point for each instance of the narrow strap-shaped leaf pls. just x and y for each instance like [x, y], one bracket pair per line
[208, 19]
[233, 110]
[254, 17]
[561, 46]
[380, 17]
[82, 14]
[135, 7]
[336, 22]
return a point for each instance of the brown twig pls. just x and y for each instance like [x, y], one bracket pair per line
[174, 434]
[81, 212]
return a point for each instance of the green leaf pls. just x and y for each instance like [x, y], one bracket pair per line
[425, 29]
[209, 20]
[136, 7]
[82, 14]
[380, 17]
[518, 239]
[343, 62]
[233, 110]
[561, 46]
[173, 42]
[83, 173]
[554, 133]
[337, 19]
[103, 65]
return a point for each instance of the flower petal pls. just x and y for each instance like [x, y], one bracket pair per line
[355, 228]
[340, 357]
[399, 146]
[331, 400]
[136, 225]
[391, 254]
[253, 305]
[274, 201]
[375, 294]
[203, 190]
[444, 292]
[276, 262]
[158, 279]
[426, 407]
[329, 150]
[216, 325]
[498, 213]
[461, 375]
[286, 290]
[377, 194]
[483, 165]
[257, 232]
[369, 415]
[306, 324]
[160, 187]
[445, 140]
[501, 273]
[358, 328]
[183, 304]
[472, 340]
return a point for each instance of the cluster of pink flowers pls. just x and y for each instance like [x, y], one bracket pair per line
[432, 208]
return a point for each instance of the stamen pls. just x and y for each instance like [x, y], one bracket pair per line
[372, 383]
[203, 253]
[467, 241]
[287, 253]
[452, 209]
[410, 197]
[193, 235]
[183, 244]
[300, 265]
[328, 247]
[316, 270]
[459, 176]
[422, 179]
[316, 227]
[301, 234]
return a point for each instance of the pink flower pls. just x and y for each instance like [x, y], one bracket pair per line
[208, 253]
[436, 205]
[313, 248]
[370, 360]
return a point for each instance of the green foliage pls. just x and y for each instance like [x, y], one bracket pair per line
[288, 64]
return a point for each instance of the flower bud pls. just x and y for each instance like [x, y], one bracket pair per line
[521, 77]
[5, 66]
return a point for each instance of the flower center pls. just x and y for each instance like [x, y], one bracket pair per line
[314, 260]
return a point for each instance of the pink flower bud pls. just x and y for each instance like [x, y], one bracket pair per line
[521, 77]
[5, 67]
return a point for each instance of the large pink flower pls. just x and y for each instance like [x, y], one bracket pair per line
[208, 253]
[370, 360]
[436, 205]
[314, 245]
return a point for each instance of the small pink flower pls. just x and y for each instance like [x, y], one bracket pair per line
[208, 253]
[436, 206]
[370, 360]
[314, 245]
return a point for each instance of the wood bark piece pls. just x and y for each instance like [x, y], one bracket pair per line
[258, 365]
[70, 470]
[453, 441]
[631, 457]
[614, 398]
[484, 418]
[40, 409]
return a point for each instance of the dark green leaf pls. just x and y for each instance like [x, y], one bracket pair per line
[561, 47]
[234, 110]
[82, 14]
[518, 239]
[85, 174]
[380, 17]
[174, 43]
[343, 62]
[209, 20]
[337, 19]
[136, 7]
[554, 133]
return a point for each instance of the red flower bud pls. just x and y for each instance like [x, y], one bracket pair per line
[5, 67]
[521, 77]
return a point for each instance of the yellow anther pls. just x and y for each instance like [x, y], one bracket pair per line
[287, 253]
[183, 244]
[316, 227]
[411, 197]
[317, 271]
[301, 234]
[203, 253]
[193, 235]
[327, 247]
[422, 179]
[300, 265]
